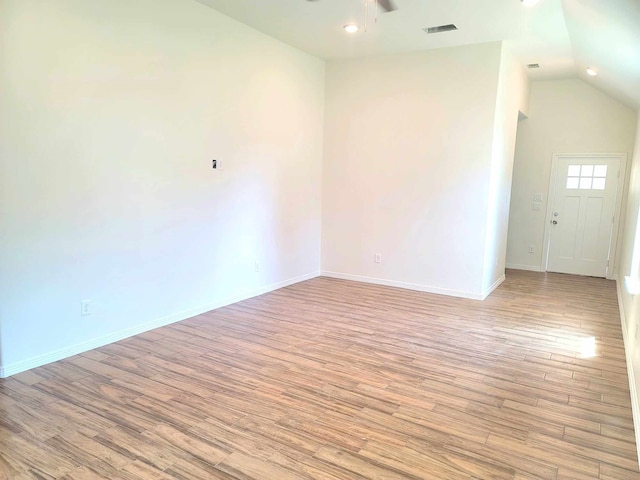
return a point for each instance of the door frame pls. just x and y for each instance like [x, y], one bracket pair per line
[616, 218]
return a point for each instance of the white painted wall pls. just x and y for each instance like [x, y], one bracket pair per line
[110, 114]
[630, 304]
[513, 98]
[407, 166]
[565, 116]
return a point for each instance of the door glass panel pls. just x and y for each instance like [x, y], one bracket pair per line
[573, 182]
[587, 171]
[586, 177]
[574, 171]
[600, 171]
[585, 183]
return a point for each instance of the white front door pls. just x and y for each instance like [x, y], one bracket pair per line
[582, 215]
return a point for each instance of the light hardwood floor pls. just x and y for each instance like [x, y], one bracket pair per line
[336, 380]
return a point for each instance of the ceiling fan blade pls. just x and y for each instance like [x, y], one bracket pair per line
[387, 5]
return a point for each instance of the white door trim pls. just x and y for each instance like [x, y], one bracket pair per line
[616, 218]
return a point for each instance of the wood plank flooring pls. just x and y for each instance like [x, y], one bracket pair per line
[335, 380]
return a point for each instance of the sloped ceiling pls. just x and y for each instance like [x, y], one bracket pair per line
[563, 36]
[605, 34]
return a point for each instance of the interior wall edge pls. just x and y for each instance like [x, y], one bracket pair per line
[40, 360]
[635, 404]
[489, 290]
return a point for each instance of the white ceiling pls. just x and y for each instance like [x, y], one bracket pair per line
[605, 34]
[563, 36]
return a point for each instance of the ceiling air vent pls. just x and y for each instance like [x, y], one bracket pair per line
[441, 28]
[533, 65]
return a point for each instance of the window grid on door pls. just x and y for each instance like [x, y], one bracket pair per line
[587, 177]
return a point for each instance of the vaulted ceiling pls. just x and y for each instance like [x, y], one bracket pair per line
[563, 36]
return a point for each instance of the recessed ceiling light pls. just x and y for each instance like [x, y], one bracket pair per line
[529, 3]
[592, 71]
[351, 28]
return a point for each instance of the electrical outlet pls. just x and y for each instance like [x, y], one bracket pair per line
[85, 307]
[378, 258]
[257, 267]
[532, 249]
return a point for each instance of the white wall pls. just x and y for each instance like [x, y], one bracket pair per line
[110, 115]
[565, 116]
[513, 98]
[630, 304]
[407, 165]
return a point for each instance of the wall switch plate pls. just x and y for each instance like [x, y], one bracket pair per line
[257, 267]
[378, 258]
[85, 307]
[537, 197]
[537, 206]
[532, 249]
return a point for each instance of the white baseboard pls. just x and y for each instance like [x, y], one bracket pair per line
[522, 266]
[409, 286]
[491, 288]
[24, 365]
[635, 405]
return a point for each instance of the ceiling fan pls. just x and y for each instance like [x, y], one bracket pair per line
[386, 5]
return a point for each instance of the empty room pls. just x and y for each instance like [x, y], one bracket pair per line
[319, 239]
